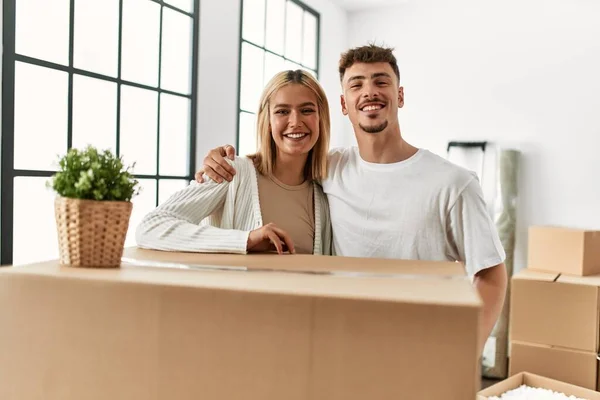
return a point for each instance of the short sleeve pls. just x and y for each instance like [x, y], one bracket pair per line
[471, 233]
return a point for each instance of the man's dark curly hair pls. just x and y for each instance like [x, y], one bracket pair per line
[370, 53]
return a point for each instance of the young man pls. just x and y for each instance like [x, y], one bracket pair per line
[389, 199]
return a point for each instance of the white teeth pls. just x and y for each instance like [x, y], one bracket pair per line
[295, 135]
[372, 108]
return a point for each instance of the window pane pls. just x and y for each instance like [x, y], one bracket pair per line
[166, 187]
[185, 5]
[141, 34]
[139, 108]
[309, 53]
[293, 32]
[247, 134]
[252, 73]
[253, 24]
[174, 135]
[42, 29]
[176, 52]
[273, 65]
[142, 205]
[275, 25]
[41, 96]
[94, 113]
[96, 36]
[34, 229]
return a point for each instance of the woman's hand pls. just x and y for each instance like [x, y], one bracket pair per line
[270, 237]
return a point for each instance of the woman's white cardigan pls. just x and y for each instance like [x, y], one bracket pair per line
[215, 217]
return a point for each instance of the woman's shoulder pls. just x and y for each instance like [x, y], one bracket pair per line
[243, 165]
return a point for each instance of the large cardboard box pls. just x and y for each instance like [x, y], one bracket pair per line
[565, 250]
[243, 332]
[533, 380]
[556, 310]
[571, 366]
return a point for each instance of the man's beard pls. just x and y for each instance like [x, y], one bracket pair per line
[374, 129]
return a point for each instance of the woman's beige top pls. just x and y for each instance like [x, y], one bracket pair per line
[290, 208]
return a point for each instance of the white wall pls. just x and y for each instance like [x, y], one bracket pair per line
[218, 69]
[521, 73]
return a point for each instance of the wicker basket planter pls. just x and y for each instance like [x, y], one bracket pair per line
[91, 233]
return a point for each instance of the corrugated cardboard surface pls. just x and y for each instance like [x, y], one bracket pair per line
[555, 310]
[565, 250]
[143, 333]
[570, 366]
[533, 380]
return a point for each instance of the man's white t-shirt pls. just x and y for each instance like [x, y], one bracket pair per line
[423, 208]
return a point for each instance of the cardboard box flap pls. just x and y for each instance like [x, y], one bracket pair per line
[533, 380]
[558, 386]
[557, 229]
[300, 262]
[591, 280]
[532, 274]
[409, 288]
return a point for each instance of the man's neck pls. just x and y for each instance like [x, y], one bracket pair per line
[385, 147]
[290, 170]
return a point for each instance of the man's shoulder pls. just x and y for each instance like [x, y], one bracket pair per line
[338, 160]
[445, 171]
[341, 151]
[340, 155]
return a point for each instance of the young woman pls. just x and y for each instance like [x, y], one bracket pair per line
[273, 201]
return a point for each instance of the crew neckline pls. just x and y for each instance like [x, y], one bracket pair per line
[301, 186]
[390, 166]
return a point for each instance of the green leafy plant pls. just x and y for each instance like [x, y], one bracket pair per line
[94, 175]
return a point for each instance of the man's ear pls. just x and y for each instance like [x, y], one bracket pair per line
[343, 102]
[400, 97]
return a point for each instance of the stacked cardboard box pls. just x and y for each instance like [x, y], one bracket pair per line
[191, 326]
[555, 314]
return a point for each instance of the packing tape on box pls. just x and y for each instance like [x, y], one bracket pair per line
[346, 274]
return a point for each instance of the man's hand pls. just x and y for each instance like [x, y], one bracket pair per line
[491, 284]
[270, 237]
[215, 166]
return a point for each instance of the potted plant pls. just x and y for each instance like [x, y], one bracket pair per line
[93, 207]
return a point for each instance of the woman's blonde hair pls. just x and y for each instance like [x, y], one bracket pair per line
[316, 164]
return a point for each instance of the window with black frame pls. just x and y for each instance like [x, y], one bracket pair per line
[275, 35]
[116, 74]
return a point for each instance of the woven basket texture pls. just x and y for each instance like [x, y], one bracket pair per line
[91, 233]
